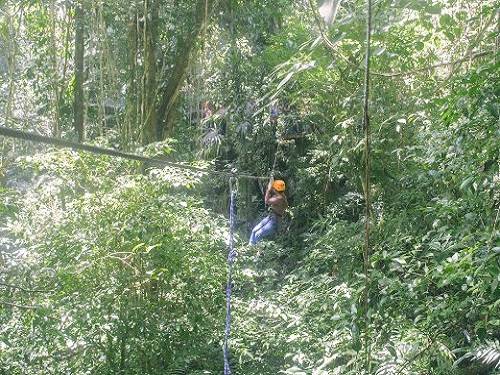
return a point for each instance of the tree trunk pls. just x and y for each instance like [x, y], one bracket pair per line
[79, 101]
[11, 69]
[67, 42]
[11, 64]
[235, 58]
[101, 31]
[149, 96]
[169, 95]
[56, 129]
[131, 105]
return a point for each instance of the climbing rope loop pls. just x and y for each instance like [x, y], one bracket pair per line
[230, 261]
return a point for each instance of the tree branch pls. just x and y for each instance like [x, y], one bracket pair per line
[22, 289]
[431, 67]
[24, 307]
[331, 46]
[412, 359]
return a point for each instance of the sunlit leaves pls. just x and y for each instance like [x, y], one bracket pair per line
[134, 254]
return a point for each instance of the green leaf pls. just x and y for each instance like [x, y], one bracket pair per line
[494, 284]
[446, 20]
[434, 9]
[138, 246]
[466, 183]
[391, 350]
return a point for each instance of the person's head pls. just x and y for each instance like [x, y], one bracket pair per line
[279, 186]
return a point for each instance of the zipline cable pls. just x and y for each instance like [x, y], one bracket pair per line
[33, 137]
[230, 261]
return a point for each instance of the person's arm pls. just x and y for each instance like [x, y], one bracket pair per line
[267, 197]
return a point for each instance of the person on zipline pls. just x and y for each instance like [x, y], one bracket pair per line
[276, 199]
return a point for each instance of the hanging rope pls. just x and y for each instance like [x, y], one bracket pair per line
[273, 169]
[275, 158]
[230, 261]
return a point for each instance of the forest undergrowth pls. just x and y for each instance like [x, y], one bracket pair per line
[130, 271]
[111, 267]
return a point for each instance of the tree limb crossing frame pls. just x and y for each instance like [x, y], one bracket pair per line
[33, 137]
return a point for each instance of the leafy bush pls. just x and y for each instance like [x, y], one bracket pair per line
[133, 270]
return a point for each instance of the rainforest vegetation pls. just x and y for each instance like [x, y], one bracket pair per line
[383, 119]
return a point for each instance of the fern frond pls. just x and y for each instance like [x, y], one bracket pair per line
[487, 354]
[388, 368]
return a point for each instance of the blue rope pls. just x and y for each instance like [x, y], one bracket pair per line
[230, 261]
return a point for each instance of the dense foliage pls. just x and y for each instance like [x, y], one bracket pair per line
[111, 267]
[128, 268]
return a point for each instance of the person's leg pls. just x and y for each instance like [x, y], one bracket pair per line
[257, 228]
[266, 230]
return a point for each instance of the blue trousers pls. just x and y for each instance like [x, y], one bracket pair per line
[265, 228]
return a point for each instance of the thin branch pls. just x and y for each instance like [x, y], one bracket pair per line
[424, 69]
[367, 177]
[321, 27]
[24, 307]
[479, 37]
[331, 46]
[494, 226]
[412, 359]
[123, 261]
[22, 289]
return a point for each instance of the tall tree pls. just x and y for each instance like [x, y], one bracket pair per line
[101, 32]
[132, 102]
[149, 133]
[11, 61]
[185, 45]
[11, 52]
[56, 127]
[79, 102]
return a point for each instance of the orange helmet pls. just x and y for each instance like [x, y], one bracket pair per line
[279, 186]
